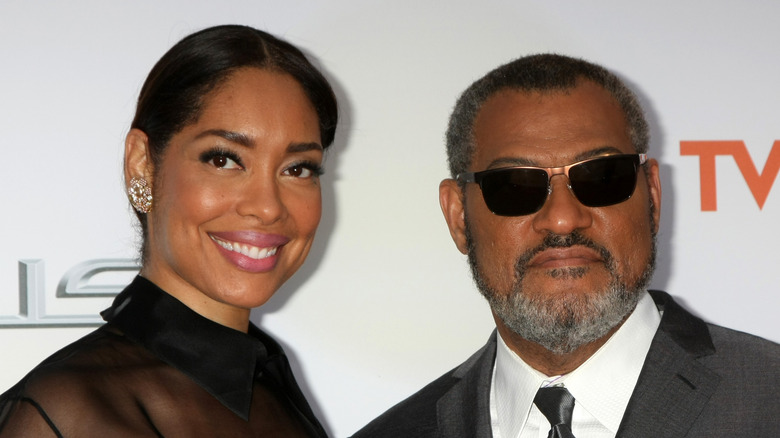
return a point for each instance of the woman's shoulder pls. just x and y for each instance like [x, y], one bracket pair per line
[92, 361]
[97, 376]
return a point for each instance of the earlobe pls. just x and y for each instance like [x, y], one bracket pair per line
[451, 201]
[137, 161]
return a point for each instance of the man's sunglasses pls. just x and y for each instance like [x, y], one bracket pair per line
[522, 190]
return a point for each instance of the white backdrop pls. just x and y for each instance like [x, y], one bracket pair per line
[385, 302]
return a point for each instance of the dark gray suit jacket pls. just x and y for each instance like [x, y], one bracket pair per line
[698, 380]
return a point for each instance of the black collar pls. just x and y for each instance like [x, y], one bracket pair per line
[221, 360]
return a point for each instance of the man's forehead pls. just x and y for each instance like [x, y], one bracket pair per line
[553, 90]
[552, 159]
[538, 95]
[553, 125]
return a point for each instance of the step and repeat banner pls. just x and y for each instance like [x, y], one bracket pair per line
[385, 302]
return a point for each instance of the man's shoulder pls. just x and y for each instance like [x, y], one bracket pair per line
[736, 349]
[741, 370]
[418, 415]
[711, 341]
[748, 378]
[414, 416]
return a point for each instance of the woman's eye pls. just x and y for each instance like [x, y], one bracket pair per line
[222, 161]
[303, 170]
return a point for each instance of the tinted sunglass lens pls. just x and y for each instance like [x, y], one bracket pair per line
[604, 181]
[514, 192]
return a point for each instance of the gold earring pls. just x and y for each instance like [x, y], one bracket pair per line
[140, 195]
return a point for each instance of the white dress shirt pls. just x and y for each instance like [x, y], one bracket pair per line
[601, 386]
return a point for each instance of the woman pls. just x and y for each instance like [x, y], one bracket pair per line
[222, 166]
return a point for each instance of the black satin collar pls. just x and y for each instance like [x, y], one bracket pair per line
[221, 360]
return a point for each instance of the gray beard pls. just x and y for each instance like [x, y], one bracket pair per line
[563, 324]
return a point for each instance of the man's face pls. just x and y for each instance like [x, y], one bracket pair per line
[567, 274]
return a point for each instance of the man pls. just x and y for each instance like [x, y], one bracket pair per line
[556, 204]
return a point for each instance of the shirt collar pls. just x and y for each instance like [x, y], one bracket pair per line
[602, 385]
[513, 389]
[221, 360]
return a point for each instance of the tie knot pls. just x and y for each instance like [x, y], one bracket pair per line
[556, 403]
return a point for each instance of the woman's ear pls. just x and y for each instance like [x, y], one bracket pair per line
[138, 163]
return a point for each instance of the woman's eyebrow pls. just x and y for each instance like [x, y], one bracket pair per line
[244, 140]
[231, 136]
[304, 147]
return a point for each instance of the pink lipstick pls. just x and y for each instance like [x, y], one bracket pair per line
[249, 250]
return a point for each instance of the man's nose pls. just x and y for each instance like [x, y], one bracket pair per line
[562, 213]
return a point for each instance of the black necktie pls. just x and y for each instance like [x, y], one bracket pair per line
[556, 404]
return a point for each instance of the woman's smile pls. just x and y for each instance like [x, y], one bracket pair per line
[255, 253]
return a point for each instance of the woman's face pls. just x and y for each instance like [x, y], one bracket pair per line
[237, 197]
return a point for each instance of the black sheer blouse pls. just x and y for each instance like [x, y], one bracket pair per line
[157, 368]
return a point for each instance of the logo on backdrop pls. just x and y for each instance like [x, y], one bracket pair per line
[759, 183]
[75, 284]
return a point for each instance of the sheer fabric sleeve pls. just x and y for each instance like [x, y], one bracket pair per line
[24, 417]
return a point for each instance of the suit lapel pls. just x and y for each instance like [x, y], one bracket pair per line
[672, 390]
[464, 410]
[674, 387]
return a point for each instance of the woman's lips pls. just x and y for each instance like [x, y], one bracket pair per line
[563, 257]
[249, 250]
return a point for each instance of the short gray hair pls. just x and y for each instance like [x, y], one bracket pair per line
[543, 72]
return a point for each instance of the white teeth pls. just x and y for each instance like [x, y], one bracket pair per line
[247, 250]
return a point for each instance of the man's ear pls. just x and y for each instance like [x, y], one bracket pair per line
[138, 163]
[451, 201]
[654, 185]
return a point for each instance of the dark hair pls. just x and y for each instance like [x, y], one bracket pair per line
[173, 95]
[544, 72]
